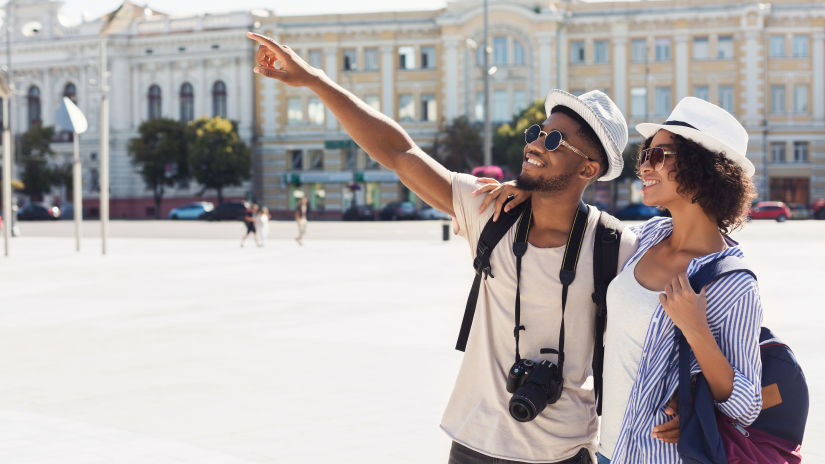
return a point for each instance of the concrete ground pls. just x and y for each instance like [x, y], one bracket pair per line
[182, 347]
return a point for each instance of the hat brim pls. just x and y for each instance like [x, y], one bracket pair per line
[649, 129]
[561, 98]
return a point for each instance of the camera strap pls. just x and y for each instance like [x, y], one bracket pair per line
[566, 275]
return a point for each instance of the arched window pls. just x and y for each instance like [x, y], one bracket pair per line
[154, 102]
[70, 91]
[33, 105]
[219, 99]
[187, 102]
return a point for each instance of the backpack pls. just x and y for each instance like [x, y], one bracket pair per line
[605, 262]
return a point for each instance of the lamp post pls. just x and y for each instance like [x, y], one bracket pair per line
[488, 131]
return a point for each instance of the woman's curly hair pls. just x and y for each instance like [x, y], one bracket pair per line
[712, 180]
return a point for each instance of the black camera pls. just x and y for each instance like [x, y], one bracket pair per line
[533, 386]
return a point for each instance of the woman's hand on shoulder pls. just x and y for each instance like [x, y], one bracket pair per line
[685, 307]
[498, 193]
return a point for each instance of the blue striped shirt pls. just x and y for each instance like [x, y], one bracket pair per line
[734, 315]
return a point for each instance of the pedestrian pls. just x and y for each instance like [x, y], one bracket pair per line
[693, 165]
[301, 219]
[263, 225]
[581, 141]
[249, 221]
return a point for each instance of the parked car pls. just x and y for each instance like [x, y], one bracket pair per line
[398, 210]
[225, 212]
[359, 213]
[770, 210]
[67, 211]
[38, 212]
[818, 208]
[638, 211]
[191, 210]
[799, 211]
[432, 213]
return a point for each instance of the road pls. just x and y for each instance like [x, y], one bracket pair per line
[182, 347]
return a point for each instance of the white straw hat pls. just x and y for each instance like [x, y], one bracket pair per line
[708, 125]
[603, 116]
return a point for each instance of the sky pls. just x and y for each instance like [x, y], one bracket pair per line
[74, 10]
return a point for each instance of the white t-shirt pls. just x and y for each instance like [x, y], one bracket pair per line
[477, 414]
[623, 341]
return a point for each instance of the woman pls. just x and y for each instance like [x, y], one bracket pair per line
[693, 165]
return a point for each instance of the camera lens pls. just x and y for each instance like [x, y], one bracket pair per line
[528, 402]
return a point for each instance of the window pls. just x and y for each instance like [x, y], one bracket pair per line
[373, 101]
[70, 91]
[219, 99]
[777, 99]
[296, 158]
[778, 152]
[662, 49]
[638, 50]
[350, 60]
[154, 102]
[315, 111]
[519, 101]
[800, 99]
[800, 152]
[479, 107]
[726, 98]
[724, 47]
[294, 111]
[701, 91]
[33, 105]
[777, 45]
[800, 46]
[406, 108]
[316, 59]
[499, 50]
[601, 52]
[406, 57]
[701, 50]
[576, 52]
[427, 57]
[501, 107]
[638, 101]
[518, 53]
[349, 160]
[429, 108]
[662, 101]
[187, 102]
[371, 59]
[316, 159]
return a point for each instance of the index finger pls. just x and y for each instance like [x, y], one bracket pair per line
[683, 278]
[265, 41]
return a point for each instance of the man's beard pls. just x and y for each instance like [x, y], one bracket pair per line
[544, 184]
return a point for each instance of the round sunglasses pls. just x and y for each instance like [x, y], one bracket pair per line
[656, 156]
[552, 140]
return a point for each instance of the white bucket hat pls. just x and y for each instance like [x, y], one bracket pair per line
[708, 125]
[603, 116]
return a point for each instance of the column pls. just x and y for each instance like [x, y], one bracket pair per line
[170, 103]
[331, 68]
[387, 80]
[752, 75]
[681, 66]
[545, 64]
[138, 90]
[119, 89]
[620, 74]
[451, 68]
[819, 76]
[47, 99]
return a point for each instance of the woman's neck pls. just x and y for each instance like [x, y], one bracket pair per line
[694, 231]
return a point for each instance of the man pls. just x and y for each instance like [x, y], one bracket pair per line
[301, 219]
[557, 167]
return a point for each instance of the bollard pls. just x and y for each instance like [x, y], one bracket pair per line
[445, 231]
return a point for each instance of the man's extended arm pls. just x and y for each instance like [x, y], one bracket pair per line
[381, 137]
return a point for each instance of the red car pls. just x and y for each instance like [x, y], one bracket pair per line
[770, 210]
[818, 208]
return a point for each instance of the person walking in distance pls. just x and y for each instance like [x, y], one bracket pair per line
[301, 220]
[249, 221]
[263, 225]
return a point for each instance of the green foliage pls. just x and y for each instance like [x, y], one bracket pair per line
[629, 155]
[35, 151]
[508, 140]
[217, 156]
[458, 146]
[160, 143]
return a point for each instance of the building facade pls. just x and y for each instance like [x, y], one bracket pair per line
[763, 62]
[176, 67]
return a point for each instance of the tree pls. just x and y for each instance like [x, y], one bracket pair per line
[217, 155]
[35, 150]
[458, 145]
[159, 153]
[508, 141]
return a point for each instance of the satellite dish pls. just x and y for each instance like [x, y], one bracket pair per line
[70, 118]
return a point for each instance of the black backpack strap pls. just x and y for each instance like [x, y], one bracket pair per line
[489, 238]
[605, 265]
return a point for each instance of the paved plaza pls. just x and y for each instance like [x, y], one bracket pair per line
[182, 347]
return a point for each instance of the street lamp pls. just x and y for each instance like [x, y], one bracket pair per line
[486, 72]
